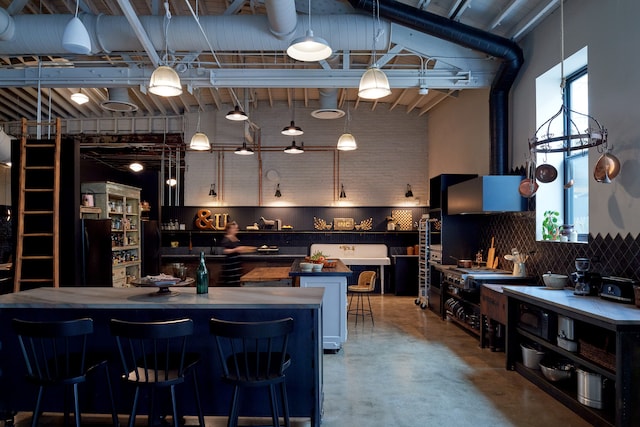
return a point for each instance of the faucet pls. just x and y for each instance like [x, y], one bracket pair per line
[211, 250]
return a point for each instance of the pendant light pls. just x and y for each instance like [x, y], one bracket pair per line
[236, 115]
[292, 129]
[164, 79]
[294, 149]
[244, 150]
[278, 193]
[75, 38]
[309, 48]
[199, 141]
[136, 166]
[79, 97]
[347, 142]
[374, 83]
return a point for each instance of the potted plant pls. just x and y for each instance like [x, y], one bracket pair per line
[550, 225]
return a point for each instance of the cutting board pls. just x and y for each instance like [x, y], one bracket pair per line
[491, 254]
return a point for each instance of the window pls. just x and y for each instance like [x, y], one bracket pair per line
[576, 167]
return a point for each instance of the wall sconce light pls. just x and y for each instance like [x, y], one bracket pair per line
[212, 191]
[409, 193]
[278, 193]
[343, 195]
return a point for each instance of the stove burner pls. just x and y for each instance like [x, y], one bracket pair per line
[470, 278]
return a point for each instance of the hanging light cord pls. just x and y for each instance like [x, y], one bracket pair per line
[562, 79]
[77, 7]
[167, 21]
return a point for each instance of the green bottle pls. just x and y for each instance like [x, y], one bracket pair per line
[202, 276]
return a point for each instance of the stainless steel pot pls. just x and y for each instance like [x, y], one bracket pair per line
[590, 388]
[463, 263]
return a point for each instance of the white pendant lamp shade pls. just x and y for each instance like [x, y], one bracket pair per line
[309, 48]
[165, 82]
[75, 38]
[374, 84]
[237, 115]
[347, 142]
[199, 142]
[79, 98]
[136, 166]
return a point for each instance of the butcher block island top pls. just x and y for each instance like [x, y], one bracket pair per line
[339, 270]
[221, 298]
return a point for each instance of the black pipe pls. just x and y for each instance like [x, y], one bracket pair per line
[506, 50]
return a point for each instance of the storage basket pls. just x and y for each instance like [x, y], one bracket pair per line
[598, 355]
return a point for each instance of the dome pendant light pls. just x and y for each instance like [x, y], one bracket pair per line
[347, 142]
[75, 38]
[294, 149]
[164, 79]
[374, 83]
[79, 97]
[309, 48]
[244, 150]
[292, 129]
[237, 115]
[199, 141]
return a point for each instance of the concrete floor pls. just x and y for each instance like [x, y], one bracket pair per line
[412, 369]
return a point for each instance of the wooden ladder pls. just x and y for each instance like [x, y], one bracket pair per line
[38, 238]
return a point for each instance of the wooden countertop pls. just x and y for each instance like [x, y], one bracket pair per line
[145, 297]
[588, 306]
[266, 274]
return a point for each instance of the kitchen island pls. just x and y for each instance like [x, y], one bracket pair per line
[304, 377]
[334, 303]
[608, 336]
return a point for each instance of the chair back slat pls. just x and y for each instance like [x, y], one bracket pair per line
[152, 352]
[53, 351]
[252, 351]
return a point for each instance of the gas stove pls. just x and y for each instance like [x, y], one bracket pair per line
[472, 278]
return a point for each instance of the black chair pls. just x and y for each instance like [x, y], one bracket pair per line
[254, 354]
[55, 354]
[154, 356]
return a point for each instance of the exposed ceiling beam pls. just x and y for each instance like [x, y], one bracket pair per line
[139, 31]
[533, 19]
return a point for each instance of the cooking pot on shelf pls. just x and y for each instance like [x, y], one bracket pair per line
[463, 263]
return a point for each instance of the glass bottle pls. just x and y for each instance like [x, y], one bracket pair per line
[202, 276]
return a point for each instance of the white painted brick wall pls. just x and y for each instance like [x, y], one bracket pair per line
[392, 152]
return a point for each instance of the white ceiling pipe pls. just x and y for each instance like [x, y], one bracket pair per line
[282, 17]
[7, 26]
[42, 34]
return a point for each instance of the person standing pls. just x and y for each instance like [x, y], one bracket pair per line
[232, 267]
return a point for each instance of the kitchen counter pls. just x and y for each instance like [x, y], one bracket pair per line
[339, 270]
[588, 306]
[304, 377]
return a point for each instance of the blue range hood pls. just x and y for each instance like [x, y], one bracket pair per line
[486, 194]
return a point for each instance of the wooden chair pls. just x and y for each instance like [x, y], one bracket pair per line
[254, 354]
[55, 354]
[154, 356]
[366, 285]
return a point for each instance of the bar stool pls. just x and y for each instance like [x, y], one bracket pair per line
[366, 285]
[154, 356]
[55, 353]
[254, 354]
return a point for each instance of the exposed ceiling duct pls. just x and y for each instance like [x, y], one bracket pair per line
[119, 101]
[328, 105]
[473, 38]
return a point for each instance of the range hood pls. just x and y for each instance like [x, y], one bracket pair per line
[486, 194]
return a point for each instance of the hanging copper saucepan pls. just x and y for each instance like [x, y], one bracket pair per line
[528, 186]
[607, 168]
[546, 173]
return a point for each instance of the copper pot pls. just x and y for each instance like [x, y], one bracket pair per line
[463, 263]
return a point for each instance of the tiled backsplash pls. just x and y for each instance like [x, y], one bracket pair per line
[610, 256]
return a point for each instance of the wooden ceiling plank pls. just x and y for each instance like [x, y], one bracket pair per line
[395, 104]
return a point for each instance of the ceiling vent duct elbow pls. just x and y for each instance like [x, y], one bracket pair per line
[485, 195]
[119, 101]
[328, 105]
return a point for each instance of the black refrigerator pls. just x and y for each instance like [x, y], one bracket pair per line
[96, 252]
[150, 245]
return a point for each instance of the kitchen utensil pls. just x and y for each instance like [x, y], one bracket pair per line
[557, 371]
[546, 173]
[531, 357]
[491, 253]
[463, 263]
[495, 263]
[607, 168]
[582, 264]
[510, 258]
[569, 184]
[528, 186]
[590, 387]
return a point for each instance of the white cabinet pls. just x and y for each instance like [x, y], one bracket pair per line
[121, 204]
[334, 308]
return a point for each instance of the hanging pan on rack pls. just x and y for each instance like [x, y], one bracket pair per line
[546, 173]
[528, 186]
